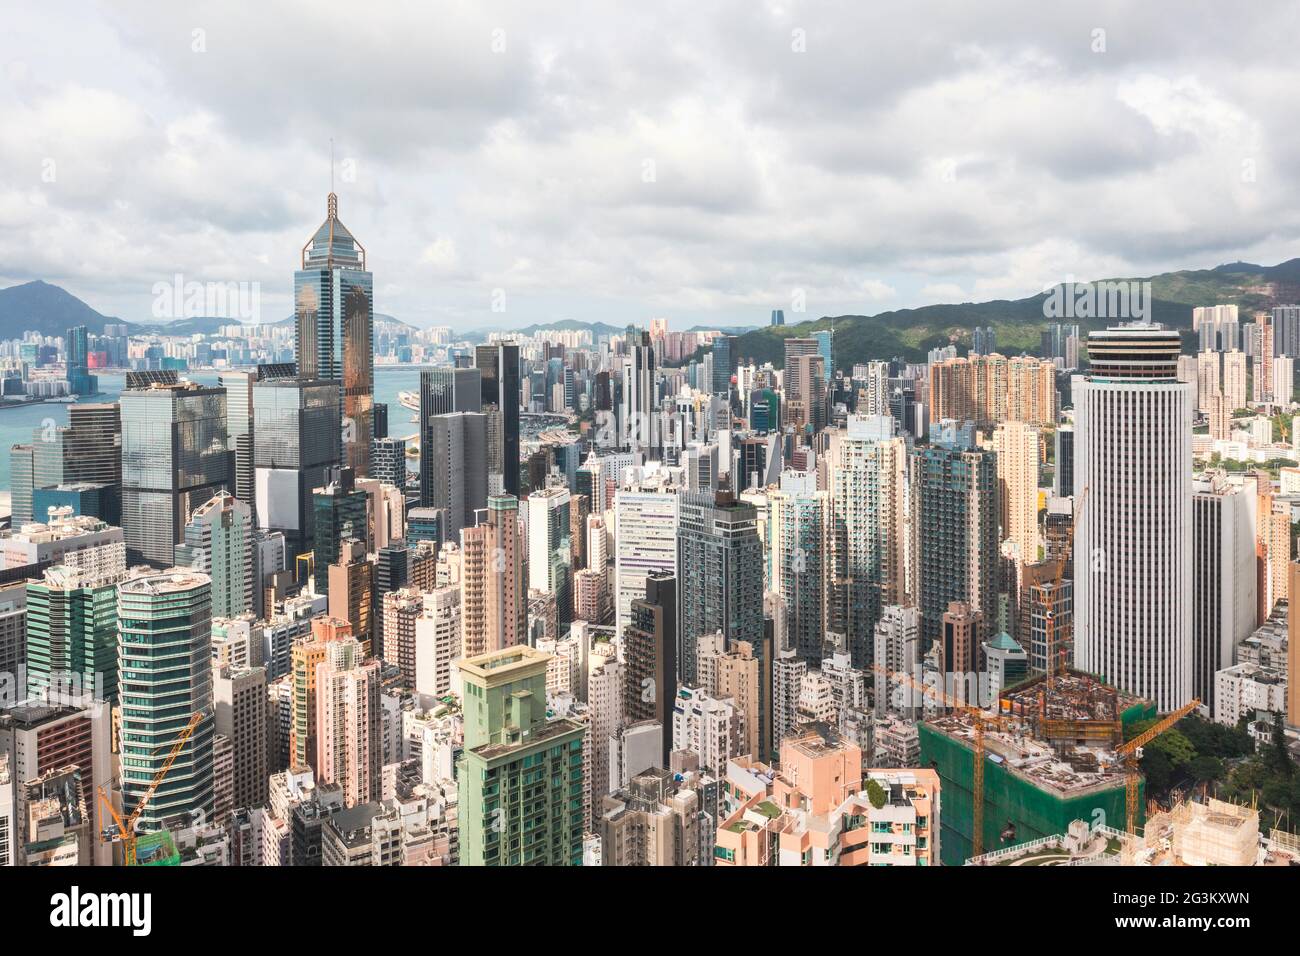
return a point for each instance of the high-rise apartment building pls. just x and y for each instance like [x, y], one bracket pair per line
[349, 749]
[720, 574]
[520, 800]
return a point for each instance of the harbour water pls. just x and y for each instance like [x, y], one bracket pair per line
[18, 424]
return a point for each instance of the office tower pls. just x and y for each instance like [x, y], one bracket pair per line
[640, 396]
[444, 391]
[498, 366]
[239, 430]
[13, 627]
[1016, 446]
[1133, 539]
[984, 341]
[71, 648]
[295, 445]
[240, 702]
[897, 639]
[80, 381]
[549, 568]
[720, 574]
[645, 540]
[494, 606]
[451, 459]
[825, 339]
[724, 363]
[778, 317]
[388, 461]
[508, 735]
[955, 526]
[960, 629]
[341, 511]
[165, 677]
[351, 589]
[650, 649]
[175, 456]
[89, 455]
[868, 481]
[799, 526]
[1223, 577]
[218, 541]
[1234, 379]
[22, 465]
[334, 326]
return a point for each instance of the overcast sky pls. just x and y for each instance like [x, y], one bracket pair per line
[699, 161]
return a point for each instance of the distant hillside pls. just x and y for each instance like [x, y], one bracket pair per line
[911, 333]
[40, 307]
[381, 319]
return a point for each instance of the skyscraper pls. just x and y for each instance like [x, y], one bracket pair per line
[493, 602]
[724, 362]
[549, 567]
[955, 524]
[341, 512]
[868, 529]
[508, 735]
[80, 381]
[1016, 446]
[164, 677]
[334, 325]
[650, 646]
[799, 526]
[72, 632]
[175, 456]
[638, 424]
[720, 574]
[219, 542]
[295, 444]
[453, 472]
[442, 392]
[349, 748]
[498, 366]
[1133, 538]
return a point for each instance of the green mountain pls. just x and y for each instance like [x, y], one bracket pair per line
[911, 333]
[47, 309]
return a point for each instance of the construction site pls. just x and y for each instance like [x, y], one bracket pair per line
[1206, 832]
[1053, 754]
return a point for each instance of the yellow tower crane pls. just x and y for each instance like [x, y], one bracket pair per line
[1130, 753]
[126, 828]
[980, 719]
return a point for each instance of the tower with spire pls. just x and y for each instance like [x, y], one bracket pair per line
[334, 328]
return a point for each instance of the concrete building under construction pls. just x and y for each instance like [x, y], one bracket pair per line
[1050, 759]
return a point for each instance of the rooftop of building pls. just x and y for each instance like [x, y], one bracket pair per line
[550, 730]
[175, 581]
[1069, 771]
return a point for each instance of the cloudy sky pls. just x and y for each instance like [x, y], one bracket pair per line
[705, 162]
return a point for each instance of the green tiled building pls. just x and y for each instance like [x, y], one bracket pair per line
[521, 776]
